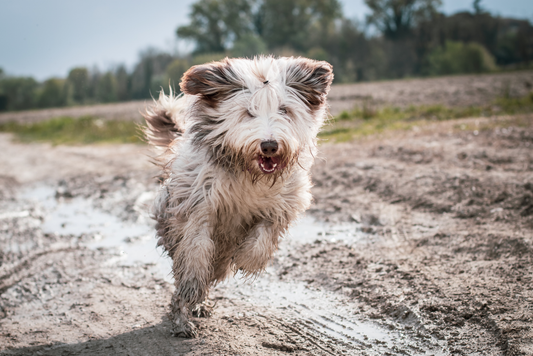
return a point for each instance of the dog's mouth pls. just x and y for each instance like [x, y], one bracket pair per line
[269, 165]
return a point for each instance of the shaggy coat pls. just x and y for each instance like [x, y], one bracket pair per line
[236, 150]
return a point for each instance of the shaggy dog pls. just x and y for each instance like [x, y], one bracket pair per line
[237, 150]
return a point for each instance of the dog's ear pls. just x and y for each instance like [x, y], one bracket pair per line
[213, 82]
[310, 79]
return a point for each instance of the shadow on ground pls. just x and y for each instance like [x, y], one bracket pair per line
[152, 340]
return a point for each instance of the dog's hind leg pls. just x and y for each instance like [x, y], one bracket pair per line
[192, 269]
[255, 252]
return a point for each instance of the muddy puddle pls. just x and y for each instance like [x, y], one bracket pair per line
[322, 316]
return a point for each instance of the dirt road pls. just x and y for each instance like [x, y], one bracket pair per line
[418, 243]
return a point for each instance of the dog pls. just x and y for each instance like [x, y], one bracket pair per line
[235, 150]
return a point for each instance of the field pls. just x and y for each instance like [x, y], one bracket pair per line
[419, 240]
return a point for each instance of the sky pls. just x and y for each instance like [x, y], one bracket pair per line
[47, 38]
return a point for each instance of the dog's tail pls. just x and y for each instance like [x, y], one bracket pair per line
[164, 120]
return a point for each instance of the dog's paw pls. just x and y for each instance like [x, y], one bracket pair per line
[185, 330]
[202, 310]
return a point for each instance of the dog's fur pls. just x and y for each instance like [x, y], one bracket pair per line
[226, 196]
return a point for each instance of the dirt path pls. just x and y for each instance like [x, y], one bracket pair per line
[419, 243]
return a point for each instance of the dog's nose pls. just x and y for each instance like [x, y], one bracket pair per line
[269, 147]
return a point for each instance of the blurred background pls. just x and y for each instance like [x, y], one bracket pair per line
[59, 53]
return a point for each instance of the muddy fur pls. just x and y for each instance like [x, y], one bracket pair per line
[226, 198]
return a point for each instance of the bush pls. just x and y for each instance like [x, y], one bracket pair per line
[459, 58]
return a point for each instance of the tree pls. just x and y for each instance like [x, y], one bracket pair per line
[78, 84]
[123, 83]
[396, 18]
[52, 93]
[3, 96]
[216, 24]
[20, 92]
[106, 90]
[478, 9]
[148, 75]
[290, 23]
[175, 71]
[248, 46]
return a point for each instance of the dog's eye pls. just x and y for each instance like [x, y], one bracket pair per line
[282, 111]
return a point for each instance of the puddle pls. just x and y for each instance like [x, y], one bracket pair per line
[308, 230]
[134, 242]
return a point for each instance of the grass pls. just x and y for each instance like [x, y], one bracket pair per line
[71, 131]
[368, 120]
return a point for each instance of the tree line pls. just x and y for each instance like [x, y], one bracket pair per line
[399, 38]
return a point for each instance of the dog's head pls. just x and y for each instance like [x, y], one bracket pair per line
[257, 115]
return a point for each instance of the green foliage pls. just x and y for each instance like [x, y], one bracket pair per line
[21, 92]
[458, 58]
[149, 74]
[208, 57]
[248, 46]
[78, 85]
[106, 91]
[365, 120]
[215, 23]
[3, 96]
[52, 93]
[318, 53]
[290, 23]
[175, 71]
[123, 84]
[68, 130]
[396, 18]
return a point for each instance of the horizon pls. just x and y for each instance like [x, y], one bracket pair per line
[44, 49]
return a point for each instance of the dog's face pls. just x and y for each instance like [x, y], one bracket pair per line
[257, 115]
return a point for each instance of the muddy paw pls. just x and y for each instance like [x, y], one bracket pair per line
[186, 330]
[202, 310]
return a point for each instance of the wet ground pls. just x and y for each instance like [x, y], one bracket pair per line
[281, 315]
[418, 243]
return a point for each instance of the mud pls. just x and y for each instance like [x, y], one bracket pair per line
[418, 243]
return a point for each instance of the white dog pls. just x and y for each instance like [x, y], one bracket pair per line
[237, 150]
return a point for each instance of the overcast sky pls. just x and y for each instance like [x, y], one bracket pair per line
[47, 38]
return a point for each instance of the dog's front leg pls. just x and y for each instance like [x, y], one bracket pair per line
[254, 253]
[192, 269]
